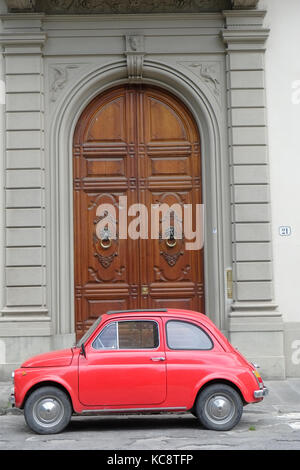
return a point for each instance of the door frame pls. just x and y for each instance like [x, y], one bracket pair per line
[215, 183]
[137, 101]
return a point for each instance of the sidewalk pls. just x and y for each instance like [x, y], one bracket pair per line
[283, 397]
[5, 390]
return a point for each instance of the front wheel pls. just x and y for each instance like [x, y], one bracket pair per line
[219, 407]
[47, 410]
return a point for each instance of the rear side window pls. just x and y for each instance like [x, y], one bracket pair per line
[128, 335]
[185, 335]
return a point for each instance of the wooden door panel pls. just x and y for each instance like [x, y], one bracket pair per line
[169, 165]
[172, 275]
[105, 275]
[141, 143]
[105, 166]
[163, 123]
[108, 123]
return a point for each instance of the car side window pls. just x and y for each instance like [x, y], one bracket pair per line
[140, 334]
[185, 335]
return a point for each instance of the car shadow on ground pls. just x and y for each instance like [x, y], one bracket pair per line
[132, 422]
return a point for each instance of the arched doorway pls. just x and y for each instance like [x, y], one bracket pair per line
[135, 144]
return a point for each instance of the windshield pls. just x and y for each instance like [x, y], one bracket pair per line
[88, 333]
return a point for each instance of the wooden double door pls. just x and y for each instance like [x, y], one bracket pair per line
[136, 149]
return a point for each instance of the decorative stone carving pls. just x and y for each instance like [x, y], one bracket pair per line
[122, 6]
[244, 4]
[135, 52]
[128, 6]
[24, 5]
[208, 72]
[61, 76]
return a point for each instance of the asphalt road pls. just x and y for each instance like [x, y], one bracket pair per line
[260, 429]
[273, 424]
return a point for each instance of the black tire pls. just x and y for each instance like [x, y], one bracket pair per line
[219, 407]
[47, 410]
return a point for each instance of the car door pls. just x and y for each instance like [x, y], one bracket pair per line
[124, 365]
[191, 354]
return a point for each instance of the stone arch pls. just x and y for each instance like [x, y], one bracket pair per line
[69, 107]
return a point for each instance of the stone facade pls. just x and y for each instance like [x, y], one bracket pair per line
[53, 65]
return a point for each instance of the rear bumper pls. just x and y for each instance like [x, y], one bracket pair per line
[261, 393]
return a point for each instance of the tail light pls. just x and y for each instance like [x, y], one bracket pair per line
[258, 378]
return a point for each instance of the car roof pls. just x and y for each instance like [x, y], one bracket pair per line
[163, 312]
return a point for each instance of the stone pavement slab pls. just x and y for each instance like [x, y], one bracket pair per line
[273, 424]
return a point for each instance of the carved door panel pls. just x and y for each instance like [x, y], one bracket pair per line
[106, 274]
[170, 177]
[141, 143]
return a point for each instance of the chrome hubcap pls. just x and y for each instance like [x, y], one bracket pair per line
[219, 408]
[48, 411]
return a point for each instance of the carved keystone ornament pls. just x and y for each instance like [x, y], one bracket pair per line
[135, 52]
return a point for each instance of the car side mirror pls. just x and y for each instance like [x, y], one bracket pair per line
[82, 350]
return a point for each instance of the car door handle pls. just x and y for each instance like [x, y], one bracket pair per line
[157, 359]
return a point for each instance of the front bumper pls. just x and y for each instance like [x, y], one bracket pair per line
[261, 393]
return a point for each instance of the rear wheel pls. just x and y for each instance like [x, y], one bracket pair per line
[47, 410]
[219, 407]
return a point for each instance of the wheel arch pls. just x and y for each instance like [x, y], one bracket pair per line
[47, 383]
[223, 382]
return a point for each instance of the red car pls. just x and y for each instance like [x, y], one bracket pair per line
[140, 361]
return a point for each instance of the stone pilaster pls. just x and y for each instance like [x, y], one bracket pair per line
[25, 277]
[254, 312]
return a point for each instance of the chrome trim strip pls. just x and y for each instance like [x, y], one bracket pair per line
[122, 410]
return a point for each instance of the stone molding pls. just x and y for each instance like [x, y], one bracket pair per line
[19, 39]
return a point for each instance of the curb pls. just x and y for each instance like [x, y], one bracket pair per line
[9, 410]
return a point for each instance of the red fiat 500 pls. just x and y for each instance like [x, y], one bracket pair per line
[140, 361]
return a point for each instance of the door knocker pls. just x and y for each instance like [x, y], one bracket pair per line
[105, 241]
[171, 241]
